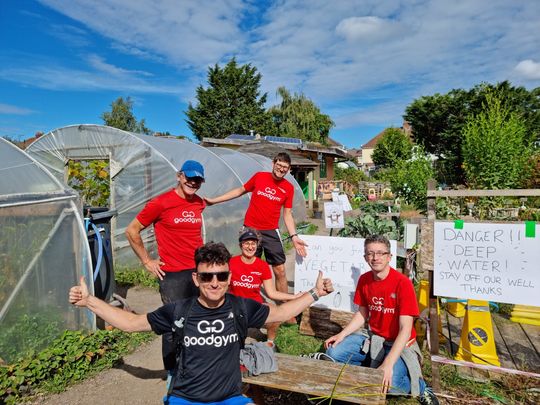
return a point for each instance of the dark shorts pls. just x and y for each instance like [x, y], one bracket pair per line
[272, 247]
[175, 286]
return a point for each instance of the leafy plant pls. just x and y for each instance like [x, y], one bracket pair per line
[393, 147]
[496, 147]
[91, 179]
[368, 224]
[70, 358]
[131, 277]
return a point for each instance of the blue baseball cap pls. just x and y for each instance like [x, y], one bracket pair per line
[192, 168]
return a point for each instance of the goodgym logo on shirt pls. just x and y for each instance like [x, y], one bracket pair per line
[269, 193]
[210, 335]
[245, 281]
[187, 216]
[378, 306]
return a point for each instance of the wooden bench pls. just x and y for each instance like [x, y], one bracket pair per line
[317, 378]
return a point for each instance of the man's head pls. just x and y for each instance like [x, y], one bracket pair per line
[190, 178]
[377, 253]
[249, 241]
[281, 165]
[212, 275]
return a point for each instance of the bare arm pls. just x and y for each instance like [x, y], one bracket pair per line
[405, 327]
[272, 293]
[133, 235]
[358, 320]
[229, 195]
[123, 320]
[298, 243]
[293, 307]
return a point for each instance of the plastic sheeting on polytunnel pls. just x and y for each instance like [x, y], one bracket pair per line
[43, 252]
[143, 167]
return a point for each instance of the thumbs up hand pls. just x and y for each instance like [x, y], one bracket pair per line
[323, 285]
[78, 295]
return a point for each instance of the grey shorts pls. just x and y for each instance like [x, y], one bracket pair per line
[272, 247]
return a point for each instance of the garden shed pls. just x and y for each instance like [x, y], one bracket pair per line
[142, 167]
[43, 252]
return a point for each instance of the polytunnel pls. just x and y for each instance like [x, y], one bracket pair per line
[142, 167]
[43, 252]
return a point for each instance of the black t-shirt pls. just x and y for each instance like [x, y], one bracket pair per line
[211, 348]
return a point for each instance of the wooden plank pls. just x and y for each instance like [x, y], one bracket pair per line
[502, 350]
[533, 333]
[522, 351]
[484, 193]
[323, 322]
[455, 325]
[360, 385]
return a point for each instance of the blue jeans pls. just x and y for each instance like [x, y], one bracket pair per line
[237, 400]
[349, 351]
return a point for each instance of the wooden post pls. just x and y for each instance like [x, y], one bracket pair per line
[433, 315]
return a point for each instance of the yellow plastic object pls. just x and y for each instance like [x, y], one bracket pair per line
[477, 338]
[526, 314]
[423, 308]
[457, 309]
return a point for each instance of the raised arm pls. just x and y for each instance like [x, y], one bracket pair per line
[133, 235]
[229, 195]
[123, 320]
[280, 313]
[298, 243]
[272, 293]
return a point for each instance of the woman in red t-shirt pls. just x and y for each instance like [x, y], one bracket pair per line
[249, 273]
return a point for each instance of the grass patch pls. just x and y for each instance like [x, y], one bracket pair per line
[290, 341]
[135, 277]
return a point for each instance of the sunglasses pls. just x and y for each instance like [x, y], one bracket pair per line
[208, 277]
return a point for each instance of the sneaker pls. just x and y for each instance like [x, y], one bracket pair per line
[428, 397]
[318, 356]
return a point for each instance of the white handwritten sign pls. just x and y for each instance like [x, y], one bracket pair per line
[333, 215]
[486, 261]
[340, 259]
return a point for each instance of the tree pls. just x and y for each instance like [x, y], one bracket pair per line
[121, 117]
[496, 148]
[438, 121]
[394, 146]
[298, 117]
[231, 104]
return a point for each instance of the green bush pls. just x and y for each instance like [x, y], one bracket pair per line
[496, 147]
[131, 277]
[70, 358]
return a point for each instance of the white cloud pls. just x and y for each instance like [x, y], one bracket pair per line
[98, 63]
[528, 69]
[369, 28]
[14, 110]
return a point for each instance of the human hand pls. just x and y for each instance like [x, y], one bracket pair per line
[333, 341]
[153, 267]
[388, 372]
[323, 285]
[78, 294]
[299, 245]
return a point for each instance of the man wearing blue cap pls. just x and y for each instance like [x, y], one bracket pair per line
[177, 219]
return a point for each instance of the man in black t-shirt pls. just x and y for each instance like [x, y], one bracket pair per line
[210, 370]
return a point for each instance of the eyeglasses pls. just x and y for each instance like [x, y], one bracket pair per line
[376, 254]
[195, 179]
[208, 277]
[281, 167]
[249, 243]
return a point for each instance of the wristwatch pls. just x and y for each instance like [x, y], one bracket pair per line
[313, 293]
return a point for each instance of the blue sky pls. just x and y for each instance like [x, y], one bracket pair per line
[64, 62]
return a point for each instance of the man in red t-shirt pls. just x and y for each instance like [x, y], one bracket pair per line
[269, 193]
[177, 219]
[249, 274]
[387, 302]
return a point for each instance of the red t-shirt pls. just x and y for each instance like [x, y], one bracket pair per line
[246, 279]
[386, 300]
[177, 225]
[267, 198]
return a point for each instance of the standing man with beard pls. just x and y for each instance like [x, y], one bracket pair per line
[270, 191]
[177, 219]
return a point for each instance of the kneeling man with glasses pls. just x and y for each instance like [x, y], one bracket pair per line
[210, 363]
[387, 304]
